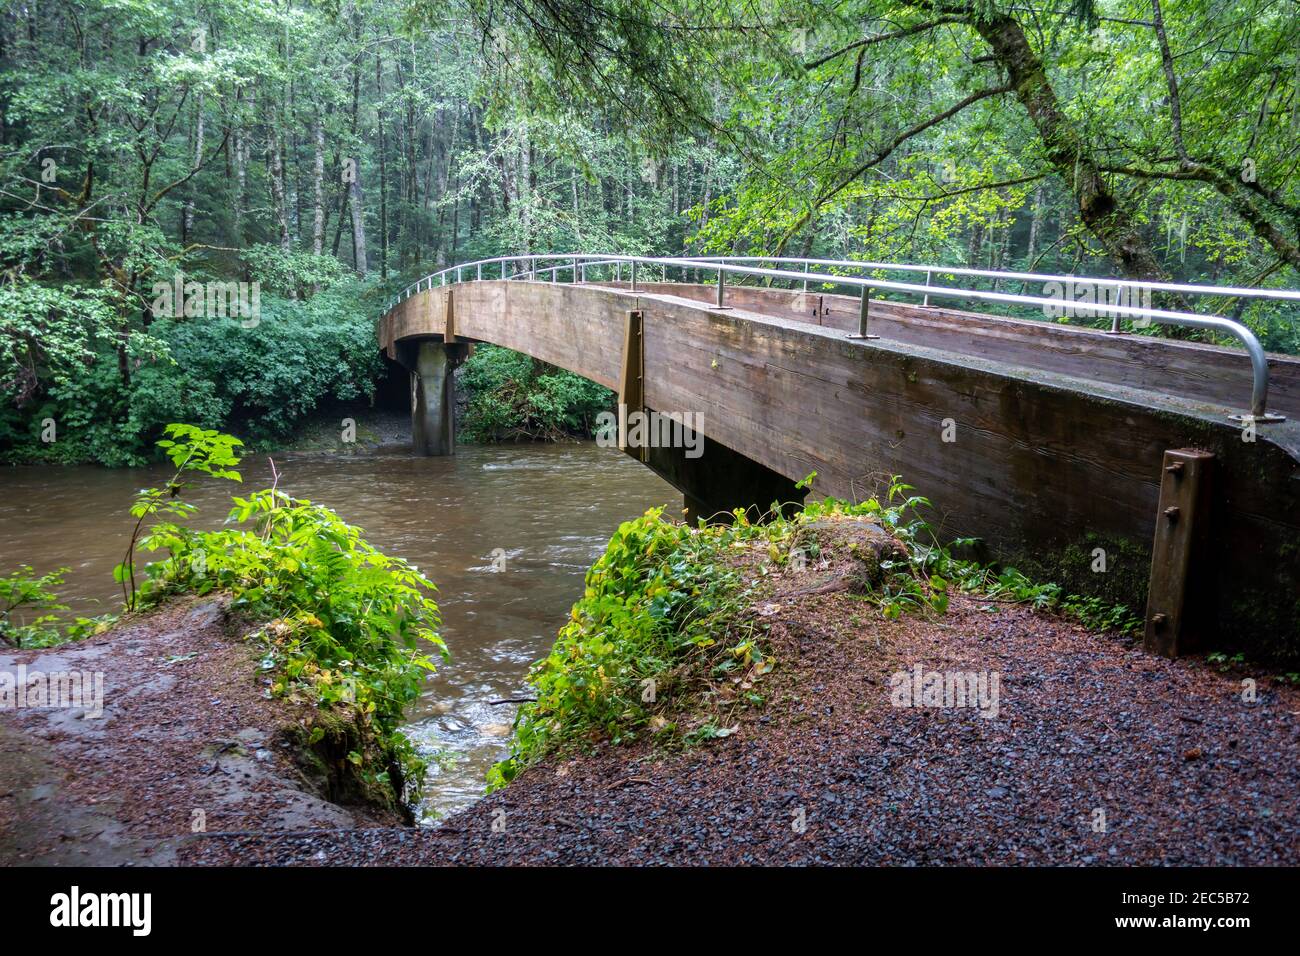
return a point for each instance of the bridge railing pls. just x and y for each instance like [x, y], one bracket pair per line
[802, 271]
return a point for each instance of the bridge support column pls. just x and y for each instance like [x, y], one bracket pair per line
[433, 393]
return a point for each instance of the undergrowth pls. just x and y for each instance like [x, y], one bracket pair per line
[344, 618]
[28, 611]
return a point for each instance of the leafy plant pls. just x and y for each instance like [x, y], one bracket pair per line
[203, 451]
[20, 592]
[262, 383]
[513, 397]
[344, 619]
[660, 601]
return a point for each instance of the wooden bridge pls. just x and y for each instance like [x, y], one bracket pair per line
[1139, 469]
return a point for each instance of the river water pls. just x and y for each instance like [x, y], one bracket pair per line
[506, 532]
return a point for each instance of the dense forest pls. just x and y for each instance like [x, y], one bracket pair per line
[333, 151]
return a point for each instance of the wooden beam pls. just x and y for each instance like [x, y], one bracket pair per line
[631, 382]
[449, 332]
[1176, 622]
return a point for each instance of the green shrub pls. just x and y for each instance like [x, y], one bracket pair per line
[660, 595]
[22, 594]
[262, 382]
[514, 397]
[344, 618]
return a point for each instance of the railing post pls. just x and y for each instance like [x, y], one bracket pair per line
[1114, 324]
[805, 281]
[532, 269]
[721, 288]
[926, 300]
[863, 311]
[618, 272]
[633, 275]
[479, 277]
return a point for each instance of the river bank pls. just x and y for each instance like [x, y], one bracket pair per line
[188, 740]
[1076, 748]
[506, 531]
[1100, 755]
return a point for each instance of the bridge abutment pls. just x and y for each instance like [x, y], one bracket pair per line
[432, 363]
[720, 480]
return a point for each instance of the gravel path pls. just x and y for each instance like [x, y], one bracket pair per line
[1098, 754]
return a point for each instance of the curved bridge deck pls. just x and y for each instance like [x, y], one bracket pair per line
[1045, 442]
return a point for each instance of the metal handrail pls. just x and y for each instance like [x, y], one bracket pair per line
[1236, 292]
[579, 263]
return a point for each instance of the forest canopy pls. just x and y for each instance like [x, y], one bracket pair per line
[333, 151]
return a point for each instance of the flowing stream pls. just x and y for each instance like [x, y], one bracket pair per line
[507, 533]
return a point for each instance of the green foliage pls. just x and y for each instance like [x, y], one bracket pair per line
[191, 449]
[51, 335]
[660, 598]
[345, 619]
[513, 396]
[1098, 615]
[20, 594]
[266, 380]
[935, 562]
[263, 381]
[291, 272]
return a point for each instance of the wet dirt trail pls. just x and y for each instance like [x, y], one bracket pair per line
[1099, 754]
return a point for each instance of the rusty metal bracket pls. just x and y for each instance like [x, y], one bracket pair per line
[1176, 622]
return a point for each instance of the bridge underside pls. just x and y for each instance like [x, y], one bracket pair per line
[1045, 442]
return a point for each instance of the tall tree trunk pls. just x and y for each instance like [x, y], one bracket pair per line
[383, 169]
[1035, 224]
[275, 160]
[354, 184]
[525, 186]
[187, 220]
[1113, 226]
[318, 188]
[358, 223]
[241, 174]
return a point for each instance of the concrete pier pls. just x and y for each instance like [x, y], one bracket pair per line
[433, 393]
